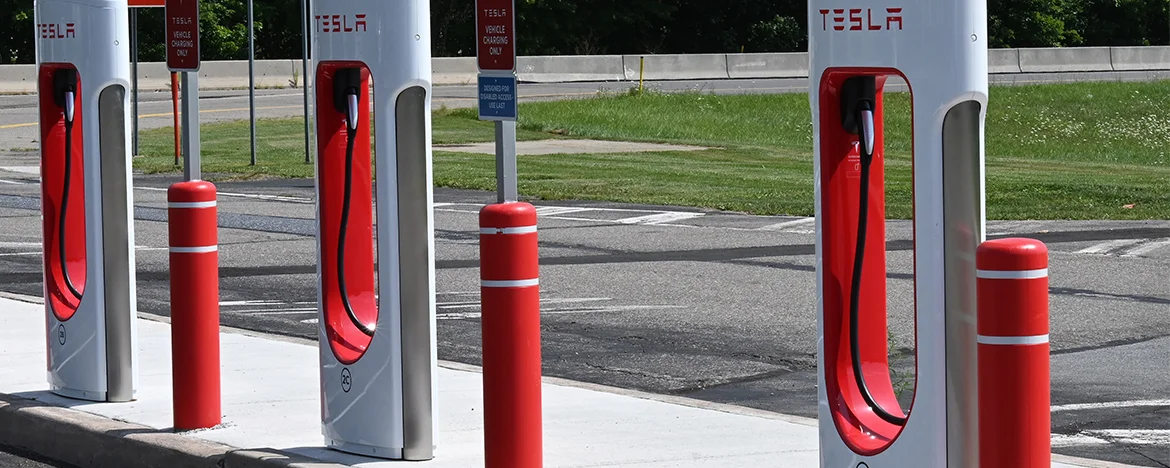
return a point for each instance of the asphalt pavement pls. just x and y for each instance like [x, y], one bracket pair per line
[710, 305]
[11, 457]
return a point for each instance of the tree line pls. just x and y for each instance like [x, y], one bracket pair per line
[576, 27]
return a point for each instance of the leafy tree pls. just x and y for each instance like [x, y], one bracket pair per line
[780, 34]
[1124, 22]
[1032, 23]
[16, 40]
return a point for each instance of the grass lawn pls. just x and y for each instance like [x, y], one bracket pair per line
[1075, 151]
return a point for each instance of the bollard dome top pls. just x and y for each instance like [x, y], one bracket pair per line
[1012, 254]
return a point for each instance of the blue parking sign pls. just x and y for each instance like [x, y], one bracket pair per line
[497, 97]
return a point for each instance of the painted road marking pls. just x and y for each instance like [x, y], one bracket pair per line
[1108, 246]
[140, 248]
[660, 218]
[788, 224]
[1110, 405]
[579, 310]
[1113, 436]
[644, 217]
[558, 210]
[294, 311]
[13, 182]
[256, 196]
[1146, 248]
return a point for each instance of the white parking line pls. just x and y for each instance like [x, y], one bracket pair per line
[140, 248]
[1108, 246]
[1146, 248]
[558, 210]
[659, 218]
[788, 224]
[303, 311]
[256, 196]
[1113, 436]
[1109, 405]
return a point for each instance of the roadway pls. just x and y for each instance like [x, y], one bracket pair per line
[16, 458]
[710, 305]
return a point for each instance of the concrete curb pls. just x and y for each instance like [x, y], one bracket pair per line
[85, 439]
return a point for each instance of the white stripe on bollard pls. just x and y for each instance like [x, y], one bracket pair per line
[204, 249]
[509, 230]
[509, 283]
[1021, 274]
[198, 204]
[1013, 340]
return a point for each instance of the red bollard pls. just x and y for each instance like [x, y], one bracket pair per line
[1015, 427]
[192, 224]
[510, 297]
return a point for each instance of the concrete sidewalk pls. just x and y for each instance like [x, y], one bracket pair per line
[271, 414]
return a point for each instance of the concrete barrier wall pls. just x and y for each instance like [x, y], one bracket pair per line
[560, 69]
[568, 68]
[779, 65]
[676, 67]
[1079, 59]
[1140, 58]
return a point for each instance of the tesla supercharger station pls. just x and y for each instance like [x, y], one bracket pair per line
[377, 333]
[940, 50]
[83, 75]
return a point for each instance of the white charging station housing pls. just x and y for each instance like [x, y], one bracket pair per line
[383, 404]
[93, 354]
[940, 49]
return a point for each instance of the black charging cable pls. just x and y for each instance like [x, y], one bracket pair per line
[351, 126]
[66, 82]
[864, 109]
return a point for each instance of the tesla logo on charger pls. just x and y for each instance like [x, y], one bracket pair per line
[860, 19]
[55, 31]
[340, 23]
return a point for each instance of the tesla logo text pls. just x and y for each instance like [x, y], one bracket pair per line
[340, 23]
[55, 31]
[860, 19]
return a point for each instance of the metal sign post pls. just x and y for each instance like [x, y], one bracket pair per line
[182, 35]
[495, 26]
[252, 79]
[305, 71]
[134, 5]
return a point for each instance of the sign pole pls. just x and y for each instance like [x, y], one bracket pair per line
[190, 125]
[252, 79]
[507, 189]
[134, 76]
[305, 70]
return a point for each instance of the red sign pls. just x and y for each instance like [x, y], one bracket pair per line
[146, 3]
[495, 31]
[182, 35]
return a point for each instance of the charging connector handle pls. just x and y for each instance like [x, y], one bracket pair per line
[65, 94]
[860, 92]
[346, 83]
